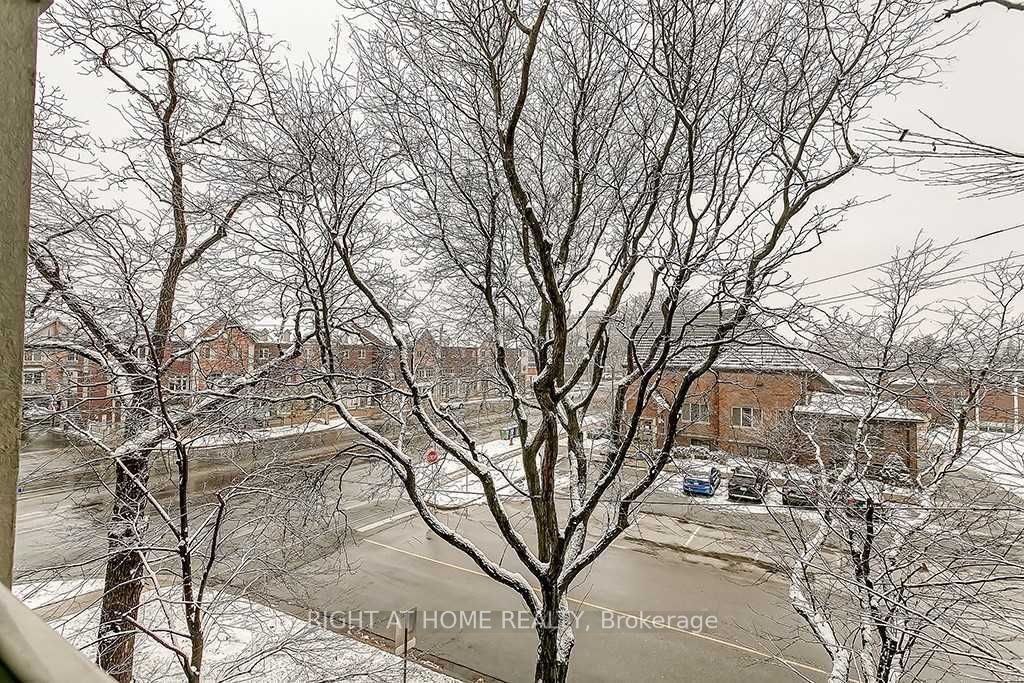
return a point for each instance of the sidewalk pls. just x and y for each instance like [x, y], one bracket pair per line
[461, 489]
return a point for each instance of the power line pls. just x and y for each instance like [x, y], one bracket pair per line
[991, 233]
[861, 293]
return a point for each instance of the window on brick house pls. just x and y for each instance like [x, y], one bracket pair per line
[265, 353]
[699, 413]
[32, 377]
[645, 432]
[178, 383]
[746, 417]
[33, 356]
[362, 353]
[207, 352]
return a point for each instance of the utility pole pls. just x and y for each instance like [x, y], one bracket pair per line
[18, 75]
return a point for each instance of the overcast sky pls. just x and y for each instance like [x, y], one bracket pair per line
[980, 93]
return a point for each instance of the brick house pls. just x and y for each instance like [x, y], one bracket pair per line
[55, 380]
[463, 372]
[230, 354]
[939, 395]
[741, 404]
[368, 364]
[832, 419]
[235, 350]
[227, 350]
[58, 380]
[1002, 405]
[746, 403]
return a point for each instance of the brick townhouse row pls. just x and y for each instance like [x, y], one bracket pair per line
[762, 399]
[63, 381]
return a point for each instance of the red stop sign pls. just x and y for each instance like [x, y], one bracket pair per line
[432, 456]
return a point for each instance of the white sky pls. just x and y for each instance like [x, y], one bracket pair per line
[981, 93]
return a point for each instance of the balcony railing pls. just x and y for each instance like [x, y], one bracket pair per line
[32, 652]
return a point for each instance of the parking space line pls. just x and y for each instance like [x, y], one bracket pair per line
[384, 522]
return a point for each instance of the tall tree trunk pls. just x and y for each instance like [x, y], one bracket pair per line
[550, 667]
[122, 586]
[555, 641]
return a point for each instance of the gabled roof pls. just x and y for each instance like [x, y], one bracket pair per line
[751, 347]
[39, 327]
[357, 335]
[226, 322]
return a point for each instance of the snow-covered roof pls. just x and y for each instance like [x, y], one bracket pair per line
[856, 406]
[851, 384]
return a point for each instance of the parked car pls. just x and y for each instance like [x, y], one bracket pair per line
[701, 480]
[800, 491]
[748, 483]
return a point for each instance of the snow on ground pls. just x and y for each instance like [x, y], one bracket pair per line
[239, 437]
[41, 593]
[672, 482]
[1000, 457]
[461, 488]
[246, 641]
[453, 486]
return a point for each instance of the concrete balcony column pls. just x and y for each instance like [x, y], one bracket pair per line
[17, 79]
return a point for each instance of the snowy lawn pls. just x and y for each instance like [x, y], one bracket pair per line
[234, 438]
[1000, 457]
[453, 486]
[41, 593]
[246, 641]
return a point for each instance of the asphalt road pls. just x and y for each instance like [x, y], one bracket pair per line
[395, 566]
[468, 619]
[647, 612]
[718, 622]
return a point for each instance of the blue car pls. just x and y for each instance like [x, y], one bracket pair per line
[701, 481]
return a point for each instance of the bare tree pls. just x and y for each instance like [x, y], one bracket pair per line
[131, 247]
[908, 571]
[1009, 5]
[949, 158]
[953, 158]
[541, 162]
